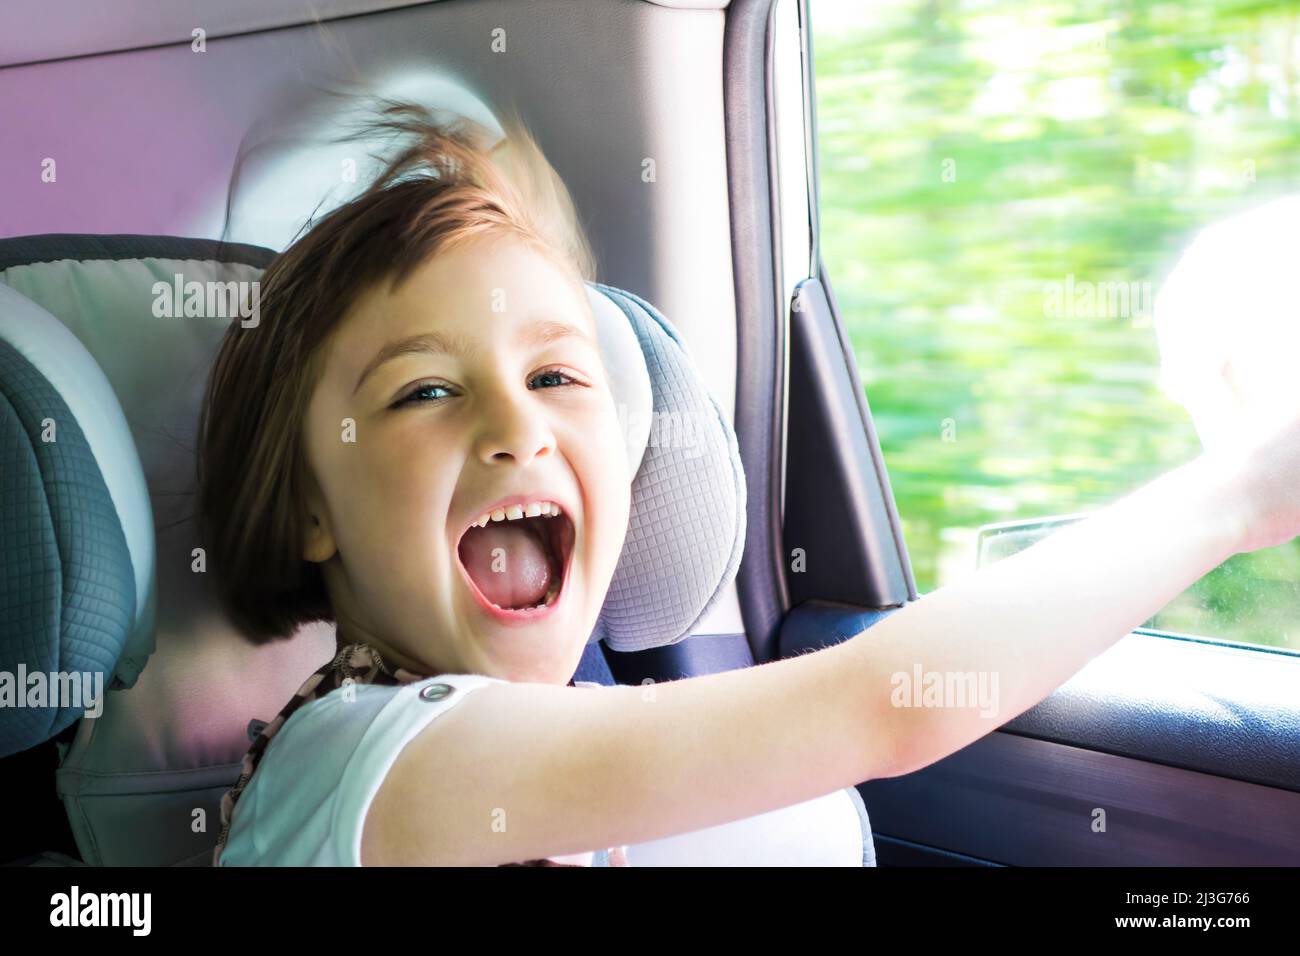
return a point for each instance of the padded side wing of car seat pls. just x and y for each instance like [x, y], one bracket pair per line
[686, 530]
[63, 556]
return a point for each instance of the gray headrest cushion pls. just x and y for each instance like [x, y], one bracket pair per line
[76, 559]
[686, 530]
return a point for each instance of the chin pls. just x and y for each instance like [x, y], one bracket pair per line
[546, 653]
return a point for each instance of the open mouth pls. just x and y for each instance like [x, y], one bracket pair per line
[516, 557]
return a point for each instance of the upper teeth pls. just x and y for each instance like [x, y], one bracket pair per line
[534, 509]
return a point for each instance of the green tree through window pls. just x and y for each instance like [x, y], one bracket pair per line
[1003, 189]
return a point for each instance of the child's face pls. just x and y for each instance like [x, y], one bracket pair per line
[442, 437]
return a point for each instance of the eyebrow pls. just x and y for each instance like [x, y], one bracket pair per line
[436, 343]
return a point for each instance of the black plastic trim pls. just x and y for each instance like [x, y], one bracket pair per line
[1225, 711]
[846, 346]
[1217, 709]
[891, 851]
[840, 511]
[760, 316]
[1026, 802]
[873, 440]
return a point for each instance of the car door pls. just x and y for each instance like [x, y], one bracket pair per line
[920, 165]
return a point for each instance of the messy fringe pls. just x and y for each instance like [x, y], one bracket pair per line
[509, 173]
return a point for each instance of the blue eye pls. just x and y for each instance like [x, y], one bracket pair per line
[426, 393]
[415, 396]
[554, 374]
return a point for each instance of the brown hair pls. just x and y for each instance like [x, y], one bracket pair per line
[445, 186]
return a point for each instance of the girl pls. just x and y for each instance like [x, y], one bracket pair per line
[418, 442]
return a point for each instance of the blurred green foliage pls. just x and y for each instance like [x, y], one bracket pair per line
[979, 157]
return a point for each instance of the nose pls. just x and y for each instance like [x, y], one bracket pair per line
[513, 429]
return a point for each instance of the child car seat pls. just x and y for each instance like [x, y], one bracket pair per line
[141, 784]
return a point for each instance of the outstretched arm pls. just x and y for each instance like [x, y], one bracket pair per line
[1027, 623]
[573, 770]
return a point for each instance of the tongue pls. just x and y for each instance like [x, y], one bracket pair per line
[508, 562]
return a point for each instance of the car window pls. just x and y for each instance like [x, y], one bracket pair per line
[1003, 189]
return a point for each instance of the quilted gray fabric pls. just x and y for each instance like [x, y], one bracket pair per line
[67, 588]
[55, 351]
[686, 531]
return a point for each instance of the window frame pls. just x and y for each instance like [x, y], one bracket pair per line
[1244, 753]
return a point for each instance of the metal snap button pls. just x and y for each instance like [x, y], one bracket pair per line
[436, 691]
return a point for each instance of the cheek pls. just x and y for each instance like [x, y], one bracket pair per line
[393, 485]
[602, 469]
[405, 455]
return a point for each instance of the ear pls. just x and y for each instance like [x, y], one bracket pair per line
[318, 532]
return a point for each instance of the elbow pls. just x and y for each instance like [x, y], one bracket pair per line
[899, 744]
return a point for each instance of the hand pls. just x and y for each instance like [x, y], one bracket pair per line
[1256, 480]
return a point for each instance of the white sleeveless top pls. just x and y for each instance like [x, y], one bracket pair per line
[306, 804]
